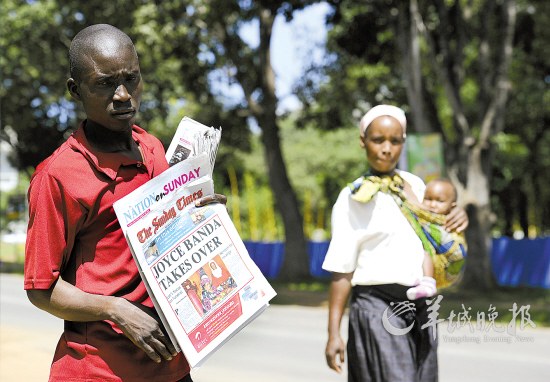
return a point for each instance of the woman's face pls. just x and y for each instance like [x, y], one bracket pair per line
[383, 142]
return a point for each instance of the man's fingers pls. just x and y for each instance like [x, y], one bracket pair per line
[171, 348]
[151, 353]
[216, 198]
[164, 346]
[157, 349]
[168, 345]
[162, 350]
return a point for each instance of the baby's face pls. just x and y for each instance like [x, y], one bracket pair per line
[439, 197]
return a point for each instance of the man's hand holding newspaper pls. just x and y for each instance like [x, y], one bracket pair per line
[203, 283]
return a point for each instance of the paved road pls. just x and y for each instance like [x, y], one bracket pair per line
[284, 344]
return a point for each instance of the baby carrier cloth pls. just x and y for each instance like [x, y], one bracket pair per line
[446, 249]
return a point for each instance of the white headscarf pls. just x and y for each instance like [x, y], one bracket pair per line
[216, 272]
[379, 111]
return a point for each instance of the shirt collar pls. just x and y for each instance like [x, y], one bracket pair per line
[109, 163]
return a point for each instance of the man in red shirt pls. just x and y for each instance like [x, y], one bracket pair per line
[78, 265]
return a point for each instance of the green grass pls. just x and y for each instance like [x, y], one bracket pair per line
[12, 257]
[12, 253]
[534, 302]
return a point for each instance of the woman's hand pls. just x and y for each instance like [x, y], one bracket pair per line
[457, 220]
[334, 353]
[340, 289]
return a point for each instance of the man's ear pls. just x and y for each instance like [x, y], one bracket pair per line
[362, 141]
[72, 86]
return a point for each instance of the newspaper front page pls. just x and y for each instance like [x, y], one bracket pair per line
[203, 283]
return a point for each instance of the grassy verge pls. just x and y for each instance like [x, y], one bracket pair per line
[532, 303]
[12, 252]
[306, 294]
[12, 257]
[519, 304]
[528, 301]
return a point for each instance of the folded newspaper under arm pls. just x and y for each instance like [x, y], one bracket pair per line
[203, 283]
[193, 138]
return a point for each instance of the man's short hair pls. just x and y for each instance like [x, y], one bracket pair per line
[85, 40]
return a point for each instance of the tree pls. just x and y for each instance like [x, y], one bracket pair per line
[450, 62]
[215, 27]
[470, 165]
[35, 37]
[186, 51]
[30, 99]
[522, 157]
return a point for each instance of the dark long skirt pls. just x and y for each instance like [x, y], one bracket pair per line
[390, 351]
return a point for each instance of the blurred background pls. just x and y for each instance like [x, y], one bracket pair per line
[288, 82]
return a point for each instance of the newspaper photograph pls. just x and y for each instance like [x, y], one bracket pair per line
[191, 139]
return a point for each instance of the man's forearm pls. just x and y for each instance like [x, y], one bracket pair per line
[67, 302]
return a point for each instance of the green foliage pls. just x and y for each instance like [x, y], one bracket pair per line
[326, 174]
[32, 101]
[511, 154]
[319, 176]
[251, 207]
[189, 52]
[12, 252]
[12, 202]
[366, 67]
[36, 36]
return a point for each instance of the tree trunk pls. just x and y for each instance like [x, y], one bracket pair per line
[409, 42]
[296, 263]
[476, 199]
[478, 274]
[262, 104]
[472, 167]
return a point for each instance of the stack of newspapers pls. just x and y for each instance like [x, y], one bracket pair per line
[204, 284]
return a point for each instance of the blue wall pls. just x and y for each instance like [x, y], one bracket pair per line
[515, 262]
[523, 262]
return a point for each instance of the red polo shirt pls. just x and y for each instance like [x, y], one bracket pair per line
[74, 233]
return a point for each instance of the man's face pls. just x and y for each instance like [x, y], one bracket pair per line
[110, 88]
[439, 197]
[383, 142]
